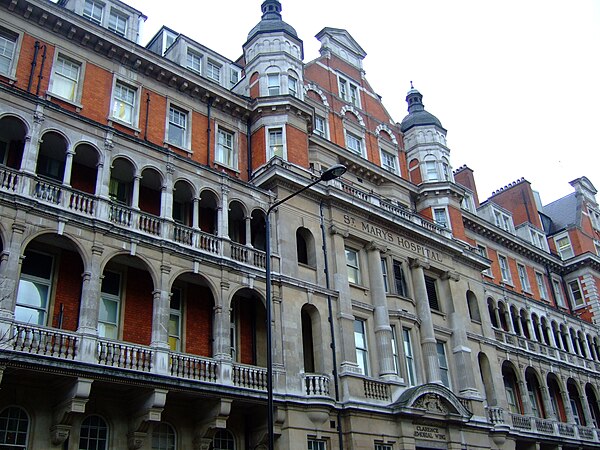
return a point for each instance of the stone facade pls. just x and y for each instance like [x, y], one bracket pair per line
[134, 187]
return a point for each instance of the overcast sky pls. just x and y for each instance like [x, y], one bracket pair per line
[515, 82]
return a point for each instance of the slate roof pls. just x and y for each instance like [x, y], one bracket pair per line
[562, 212]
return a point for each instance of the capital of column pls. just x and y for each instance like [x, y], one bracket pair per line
[334, 229]
[416, 263]
[372, 246]
[450, 275]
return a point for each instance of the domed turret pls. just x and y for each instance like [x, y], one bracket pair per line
[417, 116]
[271, 20]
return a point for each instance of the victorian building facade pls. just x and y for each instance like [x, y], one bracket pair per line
[406, 314]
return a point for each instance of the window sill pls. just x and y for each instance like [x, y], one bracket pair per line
[225, 166]
[132, 127]
[50, 96]
[177, 147]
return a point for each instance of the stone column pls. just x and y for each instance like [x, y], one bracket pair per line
[546, 399]
[428, 341]
[248, 223]
[10, 268]
[32, 142]
[135, 196]
[383, 330]
[552, 335]
[161, 310]
[566, 338]
[567, 405]
[497, 314]
[90, 294]
[68, 168]
[587, 413]
[166, 200]
[529, 326]
[540, 330]
[195, 212]
[221, 334]
[345, 317]
[223, 213]
[452, 288]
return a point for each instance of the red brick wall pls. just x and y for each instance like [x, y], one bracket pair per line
[415, 172]
[259, 146]
[156, 118]
[138, 306]
[24, 65]
[200, 138]
[254, 85]
[464, 177]
[519, 200]
[246, 316]
[96, 93]
[198, 324]
[297, 146]
[458, 227]
[68, 290]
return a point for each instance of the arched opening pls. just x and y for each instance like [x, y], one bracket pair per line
[536, 328]
[93, 433]
[208, 212]
[85, 169]
[12, 141]
[191, 315]
[502, 312]
[120, 187]
[126, 301]
[575, 401]
[492, 312]
[223, 440]
[52, 156]
[14, 428]
[50, 283]
[183, 203]
[523, 316]
[311, 339]
[150, 192]
[511, 386]
[545, 330]
[248, 328]
[237, 222]
[556, 397]
[473, 307]
[592, 400]
[514, 316]
[557, 335]
[535, 393]
[487, 379]
[257, 229]
[305, 247]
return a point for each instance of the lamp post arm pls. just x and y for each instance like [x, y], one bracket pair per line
[293, 194]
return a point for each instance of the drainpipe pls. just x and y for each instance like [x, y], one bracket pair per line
[36, 49]
[331, 329]
[147, 113]
[41, 75]
[249, 148]
[208, 132]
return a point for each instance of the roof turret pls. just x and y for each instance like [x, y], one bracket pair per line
[417, 116]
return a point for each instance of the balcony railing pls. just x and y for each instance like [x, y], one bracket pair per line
[251, 377]
[393, 209]
[124, 356]
[522, 343]
[536, 425]
[193, 367]
[316, 384]
[57, 195]
[43, 341]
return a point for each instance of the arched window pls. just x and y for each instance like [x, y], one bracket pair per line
[305, 247]
[473, 307]
[14, 425]
[163, 437]
[93, 434]
[492, 312]
[223, 440]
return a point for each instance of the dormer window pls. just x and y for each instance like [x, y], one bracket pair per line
[117, 22]
[563, 246]
[213, 71]
[594, 218]
[194, 61]
[468, 203]
[93, 10]
[538, 239]
[502, 220]
[349, 92]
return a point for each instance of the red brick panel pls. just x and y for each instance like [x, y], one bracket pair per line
[68, 291]
[297, 146]
[247, 327]
[198, 323]
[138, 306]
[96, 94]
[83, 178]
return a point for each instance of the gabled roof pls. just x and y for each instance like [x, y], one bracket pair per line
[342, 38]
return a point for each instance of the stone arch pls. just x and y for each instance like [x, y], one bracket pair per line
[487, 379]
[351, 109]
[533, 383]
[384, 128]
[313, 87]
[248, 327]
[473, 306]
[14, 130]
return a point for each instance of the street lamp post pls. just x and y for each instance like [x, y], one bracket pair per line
[333, 172]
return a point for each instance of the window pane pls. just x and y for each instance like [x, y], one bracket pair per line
[93, 434]
[14, 426]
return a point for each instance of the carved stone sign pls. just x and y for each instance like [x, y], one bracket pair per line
[390, 237]
[429, 433]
